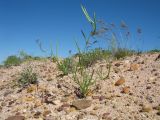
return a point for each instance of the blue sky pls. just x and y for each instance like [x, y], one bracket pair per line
[22, 22]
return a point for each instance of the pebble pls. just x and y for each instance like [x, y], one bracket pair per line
[106, 116]
[46, 112]
[126, 90]
[120, 81]
[81, 104]
[134, 67]
[146, 108]
[16, 118]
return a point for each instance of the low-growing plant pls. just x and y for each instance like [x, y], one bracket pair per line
[12, 61]
[121, 53]
[65, 66]
[27, 77]
[84, 81]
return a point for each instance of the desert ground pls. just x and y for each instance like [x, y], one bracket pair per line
[132, 92]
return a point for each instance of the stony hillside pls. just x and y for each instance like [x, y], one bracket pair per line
[132, 92]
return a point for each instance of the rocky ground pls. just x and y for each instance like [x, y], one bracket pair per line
[132, 92]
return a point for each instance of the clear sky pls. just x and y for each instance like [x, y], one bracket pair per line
[22, 22]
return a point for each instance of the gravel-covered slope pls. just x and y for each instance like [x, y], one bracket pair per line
[132, 92]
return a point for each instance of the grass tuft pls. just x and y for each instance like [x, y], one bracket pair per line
[27, 77]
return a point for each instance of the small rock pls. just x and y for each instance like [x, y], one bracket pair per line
[134, 67]
[93, 113]
[146, 108]
[11, 102]
[49, 79]
[152, 78]
[148, 87]
[64, 100]
[81, 104]
[95, 97]
[65, 105]
[60, 109]
[102, 98]
[37, 114]
[157, 58]
[126, 90]
[106, 116]
[51, 118]
[120, 81]
[72, 109]
[45, 113]
[96, 108]
[158, 113]
[16, 118]
[157, 107]
[59, 86]
[117, 70]
[0, 108]
[109, 96]
[117, 64]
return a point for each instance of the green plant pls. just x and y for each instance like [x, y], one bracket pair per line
[155, 50]
[90, 57]
[84, 81]
[122, 52]
[27, 77]
[65, 66]
[12, 61]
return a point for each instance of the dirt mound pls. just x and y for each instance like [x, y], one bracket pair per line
[131, 92]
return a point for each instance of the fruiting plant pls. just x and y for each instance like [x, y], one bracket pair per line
[27, 77]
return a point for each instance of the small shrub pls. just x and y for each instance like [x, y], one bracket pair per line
[12, 61]
[27, 77]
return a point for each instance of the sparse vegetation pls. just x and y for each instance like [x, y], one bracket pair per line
[12, 61]
[89, 58]
[27, 77]
[65, 66]
[98, 77]
[84, 81]
[121, 53]
[155, 50]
